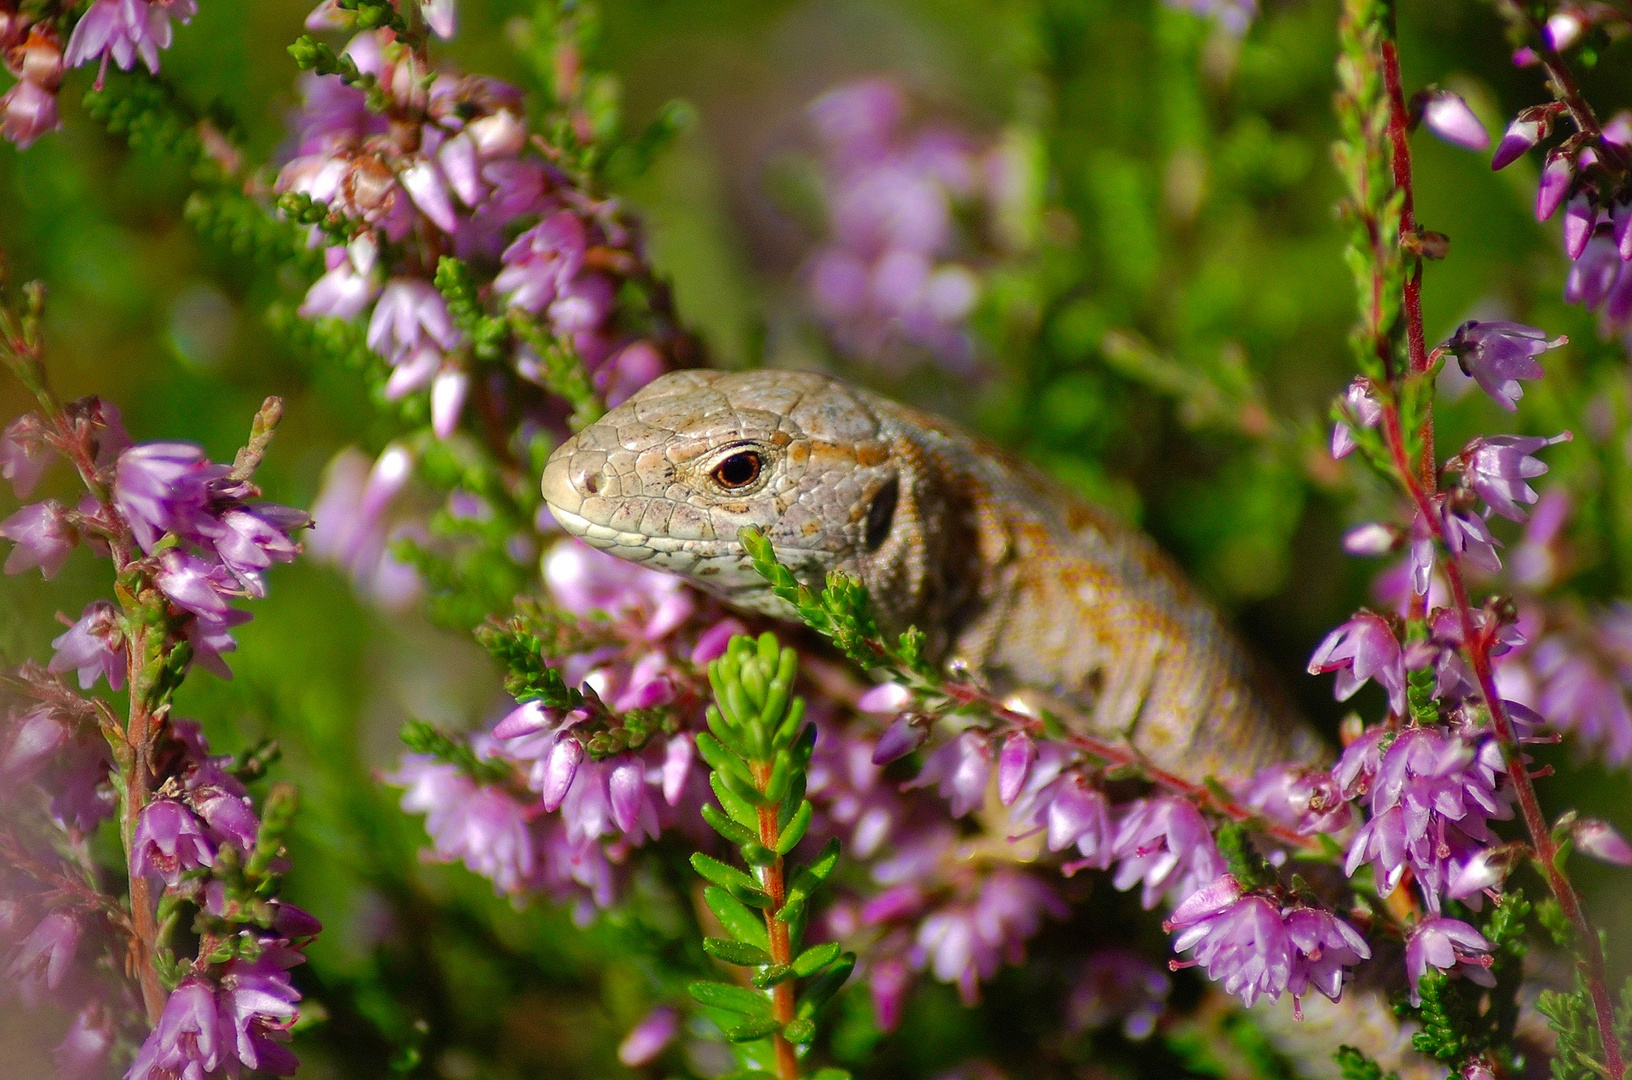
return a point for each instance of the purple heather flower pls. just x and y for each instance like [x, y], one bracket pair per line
[481, 826]
[1362, 649]
[585, 580]
[252, 538]
[1600, 840]
[904, 735]
[1450, 945]
[1497, 355]
[165, 487]
[1014, 763]
[543, 261]
[1564, 28]
[193, 1039]
[1448, 116]
[1517, 140]
[41, 961]
[649, 1038]
[1579, 697]
[1166, 844]
[1499, 466]
[410, 316]
[42, 536]
[1362, 409]
[258, 1001]
[1117, 984]
[1081, 814]
[1371, 539]
[169, 842]
[1430, 799]
[960, 769]
[1593, 273]
[560, 769]
[23, 454]
[885, 698]
[122, 30]
[342, 293]
[83, 1052]
[888, 980]
[427, 185]
[1556, 177]
[195, 585]
[712, 642]
[1299, 797]
[39, 735]
[1466, 535]
[1325, 947]
[1580, 218]
[964, 944]
[351, 523]
[27, 111]
[1239, 940]
[1621, 216]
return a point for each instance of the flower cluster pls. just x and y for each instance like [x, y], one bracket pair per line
[893, 274]
[121, 31]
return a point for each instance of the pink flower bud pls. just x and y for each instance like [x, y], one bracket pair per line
[1013, 766]
[1580, 218]
[1556, 177]
[625, 787]
[1520, 136]
[900, 739]
[1448, 116]
[559, 772]
[1600, 840]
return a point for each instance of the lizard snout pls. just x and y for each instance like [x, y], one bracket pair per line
[572, 475]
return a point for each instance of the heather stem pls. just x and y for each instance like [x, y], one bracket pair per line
[771, 876]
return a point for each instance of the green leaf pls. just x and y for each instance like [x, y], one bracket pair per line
[735, 952]
[825, 986]
[799, 1032]
[772, 975]
[722, 760]
[742, 886]
[749, 1030]
[740, 922]
[796, 828]
[831, 1073]
[727, 828]
[815, 958]
[737, 999]
[741, 812]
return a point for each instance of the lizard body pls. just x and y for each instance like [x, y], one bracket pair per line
[1013, 579]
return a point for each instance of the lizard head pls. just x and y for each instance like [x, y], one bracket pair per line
[668, 478]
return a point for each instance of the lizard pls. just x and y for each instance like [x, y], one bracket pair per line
[1044, 598]
[1015, 581]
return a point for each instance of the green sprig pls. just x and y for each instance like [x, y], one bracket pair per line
[758, 747]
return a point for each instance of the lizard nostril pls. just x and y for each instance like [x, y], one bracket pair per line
[589, 480]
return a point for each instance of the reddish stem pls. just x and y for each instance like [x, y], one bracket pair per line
[771, 877]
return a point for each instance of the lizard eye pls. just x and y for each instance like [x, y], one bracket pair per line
[739, 470]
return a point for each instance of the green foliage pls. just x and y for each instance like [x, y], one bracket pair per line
[758, 747]
[1355, 1065]
[487, 333]
[1461, 1019]
[1579, 1052]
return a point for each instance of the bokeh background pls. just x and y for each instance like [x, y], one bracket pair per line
[1162, 323]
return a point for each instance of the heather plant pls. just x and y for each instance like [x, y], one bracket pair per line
[664, 836]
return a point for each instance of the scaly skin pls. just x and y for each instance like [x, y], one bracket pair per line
[1037, 594]
[1012, 579]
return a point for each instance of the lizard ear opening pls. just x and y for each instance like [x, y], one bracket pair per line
[881, 514]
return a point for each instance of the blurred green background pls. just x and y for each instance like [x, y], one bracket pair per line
[1187, 206]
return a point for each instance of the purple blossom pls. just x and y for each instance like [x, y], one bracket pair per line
[1165, 844]
[1014, 763]
[1117, 984]
[964, 944]
[83, 1052]
[1499, 466]
[42, 960]
[585, 580]
[411, 318]
[1448, 116]
[1299, 797]
[904, 735]
[1556, 177]
[1239, 940]
[649, 1038]
[1600, 840]
[481, 826]
[257, 1003]
[960, 769]
[1080, 814]
[43, 538]
[1520, 136]
[1360, 408]
[1580, 219]
[352, 523]
[195, 584]
[1467, 536]
[543, 262]
[344, 292]
[888, 980]
[165, 487]
[169, 842]
[1430, 799]
[23, 454]
[1450, 945]
[39, 734]
[1362, 649]
[27, 111]
[125, 29]
[1579, 697]
[192, 1038]
[1497, 355]
[252, 538]
[1593, 274]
